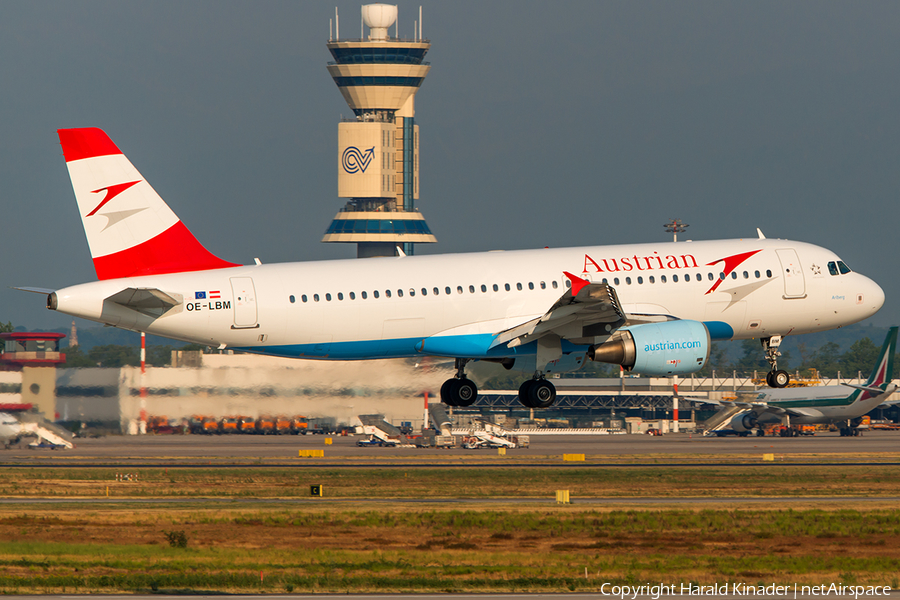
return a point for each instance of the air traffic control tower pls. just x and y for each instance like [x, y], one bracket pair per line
[378, 150]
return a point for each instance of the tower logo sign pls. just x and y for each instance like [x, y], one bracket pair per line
[355, 161]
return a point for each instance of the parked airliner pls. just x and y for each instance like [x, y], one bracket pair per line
[843, 404]
[652, 308]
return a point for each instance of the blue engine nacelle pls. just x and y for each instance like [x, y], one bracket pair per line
[657, 349]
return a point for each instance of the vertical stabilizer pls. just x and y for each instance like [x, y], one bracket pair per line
[130, 229]
[884, 368]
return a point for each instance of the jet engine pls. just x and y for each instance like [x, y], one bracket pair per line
[745, 421]
[657, 349]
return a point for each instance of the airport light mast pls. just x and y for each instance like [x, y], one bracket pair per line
[378, 150]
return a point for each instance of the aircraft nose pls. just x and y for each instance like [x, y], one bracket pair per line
[872, 297]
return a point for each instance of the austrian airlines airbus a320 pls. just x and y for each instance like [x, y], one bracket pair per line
[652, 308]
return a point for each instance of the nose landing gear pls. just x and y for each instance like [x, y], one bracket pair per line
[775, 378]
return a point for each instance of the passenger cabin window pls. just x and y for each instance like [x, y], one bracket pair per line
[292, 299]
[628, 280]
[616, 280]
[375, 294]
[769, 273]
[734, 274]
[340, 295]
[364, 296]
[675, 278]
[496, 288]
[447, 290]
[328, 297]
[459, 289]
[483, 288]
[436, 291]
[399, 293]
[568, 283]
[543, 285]
[353, 295]
[662, 279]
[412, 292]
[471, 289]
[424, 291]
[316, 297]
[519, 286]
[530, 285]
[554, 284]
[303, 297]
[387, 293]
[651, 279]
[506, 287]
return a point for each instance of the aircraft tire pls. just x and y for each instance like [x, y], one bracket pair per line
[525, 393]
[780, 378]
[542, 393]
[769, 379]
[465, 392]
[760, 432]
[448, 392]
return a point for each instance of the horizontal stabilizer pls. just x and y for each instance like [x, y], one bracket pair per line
[875, 391]
[34, 290]
[150, 301]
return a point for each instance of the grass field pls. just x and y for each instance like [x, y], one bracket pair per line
[357, 539]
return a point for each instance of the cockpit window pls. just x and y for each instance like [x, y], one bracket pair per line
[832, 268]
[843, 268]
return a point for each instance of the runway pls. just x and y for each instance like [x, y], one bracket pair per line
[874, 447]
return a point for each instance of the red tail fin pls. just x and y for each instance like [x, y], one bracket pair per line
[130, 229]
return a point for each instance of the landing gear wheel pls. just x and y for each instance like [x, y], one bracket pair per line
[459, 392]
[769, 379]
[448, 394]
[780, 379]
[466, 392]
[525, 393]
[542, 393]
[760, 432]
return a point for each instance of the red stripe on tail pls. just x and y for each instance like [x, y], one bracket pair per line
[175, 250]
[86, 142]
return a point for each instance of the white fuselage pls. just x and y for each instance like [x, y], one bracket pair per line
[384, 307]
[821, 405]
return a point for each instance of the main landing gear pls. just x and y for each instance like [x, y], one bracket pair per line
[776, 378]
[537, 392]
[459, 391]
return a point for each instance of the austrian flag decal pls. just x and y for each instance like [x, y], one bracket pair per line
[212, 295]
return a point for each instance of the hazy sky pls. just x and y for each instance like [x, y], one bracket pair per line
[542, 124]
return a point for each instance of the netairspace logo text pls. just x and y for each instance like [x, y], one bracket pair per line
[655, 591]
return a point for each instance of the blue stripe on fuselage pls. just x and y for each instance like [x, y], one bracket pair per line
[469, 346]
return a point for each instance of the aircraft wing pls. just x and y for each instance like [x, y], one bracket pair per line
[760, 408]
[583, 305]
[150, 301]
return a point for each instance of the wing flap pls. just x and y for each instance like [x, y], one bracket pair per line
[583, 305]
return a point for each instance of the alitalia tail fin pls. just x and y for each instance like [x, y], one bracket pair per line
[130, 229]
[884, 367]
